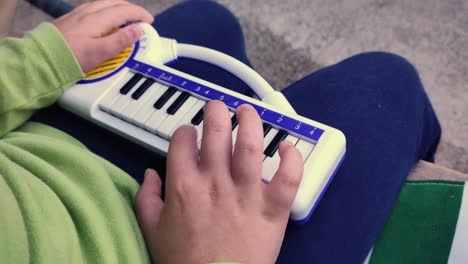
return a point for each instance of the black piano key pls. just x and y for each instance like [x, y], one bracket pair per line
[196, 120]
[129, 85]
[165, 97]
[274, 144]
[142, 89]
[233, 122]
[178, 103]
[266, 128]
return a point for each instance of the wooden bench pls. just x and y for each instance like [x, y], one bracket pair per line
[429, 171]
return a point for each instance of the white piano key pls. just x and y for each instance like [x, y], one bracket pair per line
[187, 118]
[135, 105]
[171, 121]
[124, 100]
[199, 129]
[114, 93]
[158, 116]
[234, 136]
[148, 109]
[270, 166]
[305, 148]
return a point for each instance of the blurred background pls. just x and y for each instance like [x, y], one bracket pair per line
[286, 40]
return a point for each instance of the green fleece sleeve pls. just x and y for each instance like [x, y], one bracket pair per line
[34, 71]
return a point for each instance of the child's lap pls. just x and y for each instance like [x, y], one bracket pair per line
[363, 96]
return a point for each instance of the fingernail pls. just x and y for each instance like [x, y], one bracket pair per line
[135, 31]
[147, 172]
[243, 107]
[287, 143]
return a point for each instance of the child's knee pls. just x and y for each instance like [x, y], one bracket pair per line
[386, 73]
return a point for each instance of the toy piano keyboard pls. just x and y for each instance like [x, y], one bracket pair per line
[136, 96]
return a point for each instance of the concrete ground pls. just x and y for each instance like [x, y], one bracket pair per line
[288, 39]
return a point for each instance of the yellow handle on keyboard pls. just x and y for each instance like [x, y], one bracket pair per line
[109, 65]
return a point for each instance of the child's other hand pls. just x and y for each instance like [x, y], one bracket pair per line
[86, 30]
[217, 208]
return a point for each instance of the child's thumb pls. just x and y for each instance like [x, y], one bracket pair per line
[119, 40]
[149, 204]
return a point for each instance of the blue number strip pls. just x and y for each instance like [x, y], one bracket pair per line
[272, 117]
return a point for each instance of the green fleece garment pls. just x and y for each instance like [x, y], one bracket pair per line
[59, 203]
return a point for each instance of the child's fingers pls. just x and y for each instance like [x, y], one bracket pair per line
[87, 30]
[182, 157]
[182, 164]
[108, 46]
[216, 145]
[150, 189]
[248, 150]
[281, 191]
[148, 203]
[120, 14]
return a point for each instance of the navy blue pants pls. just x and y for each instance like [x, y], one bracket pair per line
[375, 98]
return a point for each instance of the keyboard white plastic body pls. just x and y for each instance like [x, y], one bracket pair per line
[85, 97]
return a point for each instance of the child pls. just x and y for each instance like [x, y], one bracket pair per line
[61, 203]
[64, 203]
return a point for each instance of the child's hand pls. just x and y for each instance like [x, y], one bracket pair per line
[86, 30]
[217, 208]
